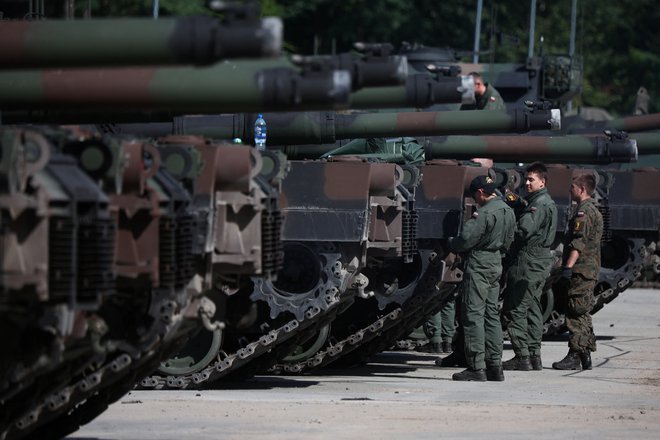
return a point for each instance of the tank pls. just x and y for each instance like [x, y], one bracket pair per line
[339, 217]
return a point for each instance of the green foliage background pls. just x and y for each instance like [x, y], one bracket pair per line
[618, 39]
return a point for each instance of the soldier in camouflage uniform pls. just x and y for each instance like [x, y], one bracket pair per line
[486, 96]
[580, 272]
[485, 237]
[531, 260]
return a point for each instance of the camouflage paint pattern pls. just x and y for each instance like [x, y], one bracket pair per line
[555, 149]
[300, 128]
[134, 41]
[249, 85]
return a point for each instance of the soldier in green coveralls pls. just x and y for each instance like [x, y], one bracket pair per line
[580, 272]
[485, 237]
[486, 96]
[531, 260]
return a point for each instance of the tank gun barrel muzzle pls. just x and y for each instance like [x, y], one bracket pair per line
[198, 40]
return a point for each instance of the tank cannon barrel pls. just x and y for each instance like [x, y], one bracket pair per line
[137, 41]
[552, 149]
[295, 128]
[224, 87]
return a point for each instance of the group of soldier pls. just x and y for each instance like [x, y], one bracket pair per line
[521, 233]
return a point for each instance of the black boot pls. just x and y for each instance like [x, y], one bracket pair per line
[446, 347]
[431, 347]
[469, 374]
[570, 362]
[536, 362]
[455, 359]
[494, 372]
[520, 363]
[585, 359]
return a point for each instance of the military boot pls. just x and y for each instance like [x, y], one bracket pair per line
[570, 362]
[469, 374]
[431, 347]
[585, 359]
[520, 363]
[536, 362]
[446, 347]
[494, 372]
[455, 359]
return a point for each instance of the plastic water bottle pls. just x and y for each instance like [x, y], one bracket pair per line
[260, 133]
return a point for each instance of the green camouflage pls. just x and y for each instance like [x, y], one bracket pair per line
[135, 41]
[585, 230]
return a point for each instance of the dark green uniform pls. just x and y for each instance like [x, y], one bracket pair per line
[484, 238]
[490, 100]
[440, 327]
[530, 267]
[584, 234]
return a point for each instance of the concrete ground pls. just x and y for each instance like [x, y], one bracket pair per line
[403, 395]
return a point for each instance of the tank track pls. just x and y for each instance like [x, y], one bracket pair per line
[260, 354]
[379, 334]
[60, 412]
[611, 282]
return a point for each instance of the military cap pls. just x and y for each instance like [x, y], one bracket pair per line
[483, 182]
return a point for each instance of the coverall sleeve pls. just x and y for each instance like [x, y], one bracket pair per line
[473, 231]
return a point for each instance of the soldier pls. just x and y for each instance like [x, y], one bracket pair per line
[531, 260]
[485, 237]
[486, 96]
[580, 268]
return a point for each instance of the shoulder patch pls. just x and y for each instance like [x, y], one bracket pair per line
[532, 209]
[492, 99]
[580, 213]
[578, 226]
[475, 214]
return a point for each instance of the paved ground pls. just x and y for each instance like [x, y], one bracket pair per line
[402, 395]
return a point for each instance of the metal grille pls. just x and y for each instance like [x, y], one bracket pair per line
[184, 248]
[271, 242]
[61, 257]
[167, 252]
[95, 260]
